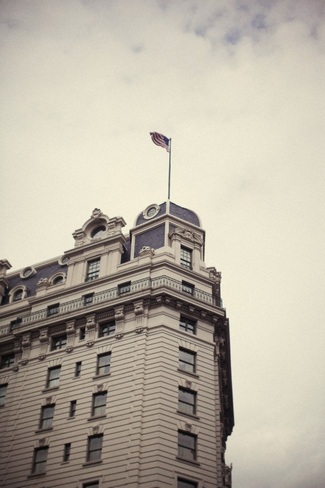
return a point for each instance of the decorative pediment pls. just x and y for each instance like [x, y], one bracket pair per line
[98, 226]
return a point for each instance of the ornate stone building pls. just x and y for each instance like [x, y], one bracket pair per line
[115, 360]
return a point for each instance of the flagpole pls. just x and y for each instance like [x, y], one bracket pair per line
[169, 166]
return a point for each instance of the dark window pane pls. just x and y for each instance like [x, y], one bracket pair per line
[53, 377]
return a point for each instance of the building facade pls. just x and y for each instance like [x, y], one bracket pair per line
[115, 360]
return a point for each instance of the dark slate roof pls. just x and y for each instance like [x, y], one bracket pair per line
[45, 271]
[180, 212]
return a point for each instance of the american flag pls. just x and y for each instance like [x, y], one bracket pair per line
[160, 140]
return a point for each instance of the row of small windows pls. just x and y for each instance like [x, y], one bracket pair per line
[186, 362]
[104, 329]
[187, 450]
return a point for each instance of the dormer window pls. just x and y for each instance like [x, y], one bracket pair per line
[186, 257]
[57, 280]
[93, 269]
[18, 295]
[98, 232]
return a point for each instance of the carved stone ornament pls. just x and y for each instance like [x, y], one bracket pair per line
[26, 341]
[186, 234]
[119, 336]
[23, 362]
[138, 330]
[90, 324]
[70, 328]
[15, 368]
[42, 441]
[188, 427]
[96, 213]
[95, 429]
[147, 250]
[90, 343]
[69, 349]
[138, 308]
[43, 335]
[214, 275]
[119, 314]
[41, 357]
[43, 282]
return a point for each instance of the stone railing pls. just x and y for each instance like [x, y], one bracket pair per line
[110, 294]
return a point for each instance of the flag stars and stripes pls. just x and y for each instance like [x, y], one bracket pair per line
[160, 140]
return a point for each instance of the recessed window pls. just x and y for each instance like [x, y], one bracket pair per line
[58, 342]
[57, 280]
[47, 414]
[187, 400]
[187, 360]
[53, 309]
[99, 404]
[15, 323]
[93, 269]
[91, 484]
[18, 295]
[39, 460]
[186, 257]
[98, 232]
[187, 445]
[66, 452]
[103, 363]
[184, 483]
[187, 288]
[107, 328]
[94, 450]
[187, 325]
[124, 287]
[3, 392]
[82, 333]
[7, 360]
[73, 408]
[77, 370]
[53, 377]
[88, 299]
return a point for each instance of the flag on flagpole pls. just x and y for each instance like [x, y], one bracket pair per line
[160, 140]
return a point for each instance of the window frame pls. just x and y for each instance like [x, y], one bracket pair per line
[185, 449]
[189, 483]
[192, 364]
[93, 450]
[62, 342]
[184, 403]
[72, 408]
[39, 462]
[186, 257]
[7, 360]
[91, 484]
[77, 369]
[50, 381]
[93, 269]
[124, 287]
[188, 288]
[100, 367]
[111, 328]
[3, 393]
[66, 452]
[100, 409]
[53, 309]
[47, 416]
[187, 324]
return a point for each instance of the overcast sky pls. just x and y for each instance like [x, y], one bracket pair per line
[239, 87]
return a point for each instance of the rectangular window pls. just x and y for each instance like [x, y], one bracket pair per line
[187, 445]
[47, 414]
[93, 269]
[53, 377]
[124, 288]
[106, 328]
[7, 360]
[183, 483]
[53, 309]
[39, 460]
[3, 391]
[187, 288]
[187, 325]
[103, 363]
[186, 257]
[187, 400]
[94, 451]
[187, 360]
[99, 404]
[82, 333]
[73, 408]
[15, 323]
[77, 370]
[91, 484]
[88, 299]
[58, 342]
[66, 452]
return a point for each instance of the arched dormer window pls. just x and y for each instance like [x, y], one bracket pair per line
[18, 293]
[57, 279]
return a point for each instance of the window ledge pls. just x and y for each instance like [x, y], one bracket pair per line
[43, 430]
[101, 376]
[97, 417]
[188, 372]
[92, 463]
[191, 415]
[72, 417]
[188, 461]
[50, 389]
[36, 475]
